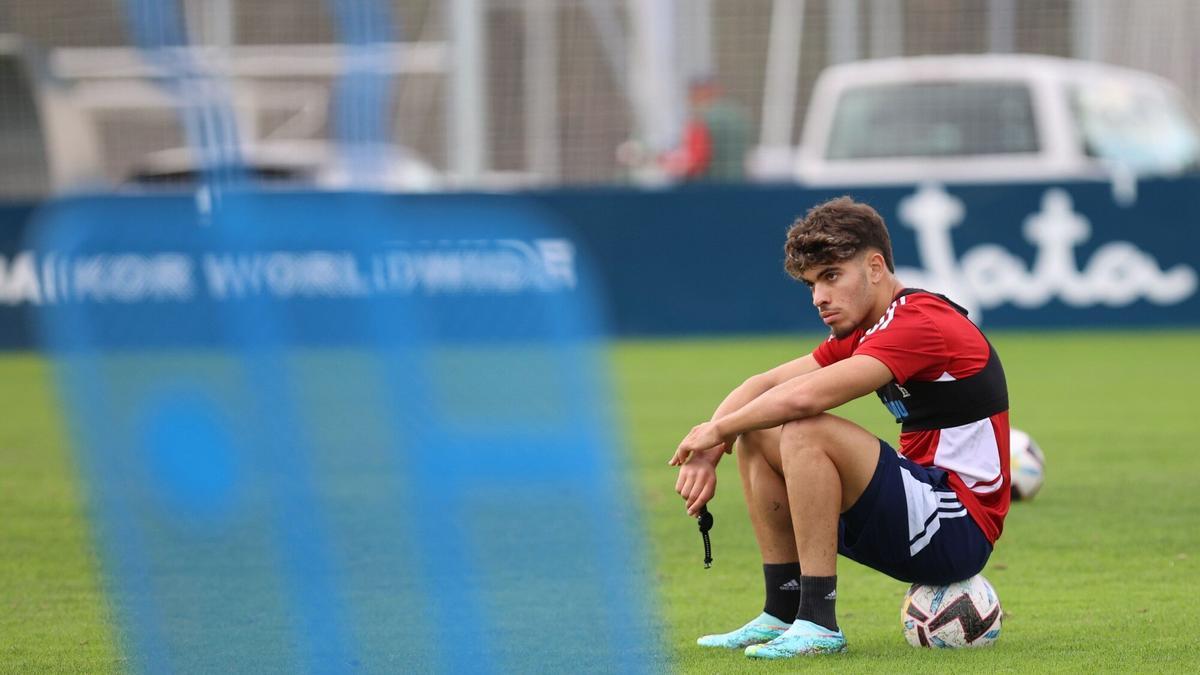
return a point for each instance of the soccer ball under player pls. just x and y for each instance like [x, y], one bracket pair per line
[817, 485]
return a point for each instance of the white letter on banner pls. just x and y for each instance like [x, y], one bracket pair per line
[1118, 274]
[19, 281]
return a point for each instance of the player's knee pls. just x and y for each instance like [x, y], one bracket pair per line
[805, 436]
[803, 432]
[752, 443]
[751, 449]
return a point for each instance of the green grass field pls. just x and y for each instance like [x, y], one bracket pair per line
[1099, 573]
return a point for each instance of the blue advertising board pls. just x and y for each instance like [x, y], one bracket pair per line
[709, 259]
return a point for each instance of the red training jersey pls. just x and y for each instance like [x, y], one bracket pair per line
[922, 338]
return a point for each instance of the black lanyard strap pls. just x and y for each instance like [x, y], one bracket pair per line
[705, 520]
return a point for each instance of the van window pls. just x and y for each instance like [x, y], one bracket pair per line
[1142, 129]
[933, 119]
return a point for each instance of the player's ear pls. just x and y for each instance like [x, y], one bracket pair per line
[876, 266]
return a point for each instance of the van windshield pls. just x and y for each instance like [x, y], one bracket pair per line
[1141, 129]
[933, 119]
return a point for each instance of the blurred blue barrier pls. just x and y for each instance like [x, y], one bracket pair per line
[343, 433]
[708, 259]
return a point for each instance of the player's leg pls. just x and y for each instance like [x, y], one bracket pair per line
[827, 464]
[765, 493]
[761, 470]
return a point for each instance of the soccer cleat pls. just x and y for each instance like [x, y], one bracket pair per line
[804, 637]
[762, 628]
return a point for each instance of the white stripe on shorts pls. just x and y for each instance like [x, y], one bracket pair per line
[926, 509]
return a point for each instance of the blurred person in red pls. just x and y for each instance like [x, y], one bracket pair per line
[715, 139]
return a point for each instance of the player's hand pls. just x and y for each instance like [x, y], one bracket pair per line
[702, 437]
[697, 483]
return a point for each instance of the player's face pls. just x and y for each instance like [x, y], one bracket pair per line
[842, 294]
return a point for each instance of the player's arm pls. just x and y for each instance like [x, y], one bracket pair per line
[787, 371]
[809, 395]
[797, 398]
[752, 388]
[758, 385]
[697, 480]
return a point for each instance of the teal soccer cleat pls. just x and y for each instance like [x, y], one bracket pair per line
[804, 637]
[763, 628]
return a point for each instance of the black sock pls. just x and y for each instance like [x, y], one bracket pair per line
[783, 590]
[818, 595]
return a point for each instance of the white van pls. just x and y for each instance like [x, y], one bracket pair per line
[972, 118]
[54, 107]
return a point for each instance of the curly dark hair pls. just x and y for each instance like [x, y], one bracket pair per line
[833, 232]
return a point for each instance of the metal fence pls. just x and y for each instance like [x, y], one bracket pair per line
[491, 94]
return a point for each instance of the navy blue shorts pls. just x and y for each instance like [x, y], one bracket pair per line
[909, 524]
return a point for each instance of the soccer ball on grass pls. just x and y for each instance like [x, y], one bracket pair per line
[963, 614]
[1027, 465]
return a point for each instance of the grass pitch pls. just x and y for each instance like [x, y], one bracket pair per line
[1100, 572]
